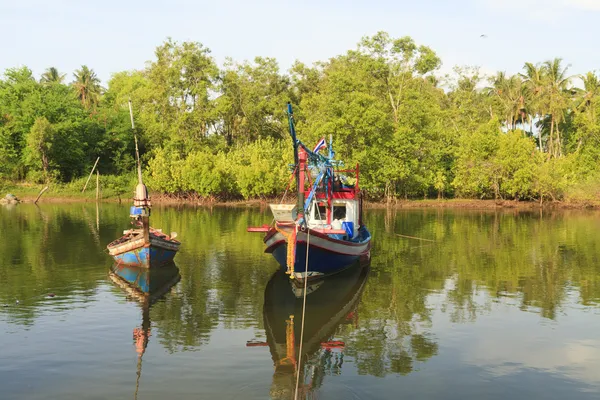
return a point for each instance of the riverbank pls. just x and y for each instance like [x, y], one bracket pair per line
[157, 199]
[71, 193]
[488, 204]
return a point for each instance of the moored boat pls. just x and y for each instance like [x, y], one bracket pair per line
[143, 246]
[135, 249]
[323, 233]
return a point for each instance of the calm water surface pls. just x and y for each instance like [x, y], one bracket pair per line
[499, 305]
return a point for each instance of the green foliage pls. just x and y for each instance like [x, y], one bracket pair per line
[39, 145]
[222, 132]
[517, 161]
[260, 169]
[474, 162]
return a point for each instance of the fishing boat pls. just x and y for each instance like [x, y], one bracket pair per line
[330, 302]
[322, 233]
[143, 246]
[145, 286]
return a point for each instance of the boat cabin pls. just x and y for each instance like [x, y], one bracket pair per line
[340, 211]
[345, 216]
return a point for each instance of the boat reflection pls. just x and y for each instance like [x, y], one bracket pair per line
[329, 303]
[145, 286]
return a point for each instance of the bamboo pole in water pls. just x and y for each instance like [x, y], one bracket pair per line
[40, 195]
[91, 172]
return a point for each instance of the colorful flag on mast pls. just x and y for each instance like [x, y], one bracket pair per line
[321, 145]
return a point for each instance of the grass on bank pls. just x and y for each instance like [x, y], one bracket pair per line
[113, 188]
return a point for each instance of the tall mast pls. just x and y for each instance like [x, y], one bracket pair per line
[137, 152]
[299, 169]
[140, 197]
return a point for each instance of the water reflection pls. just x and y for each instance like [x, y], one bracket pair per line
[146, 286]
[329, 303]
[497, 299]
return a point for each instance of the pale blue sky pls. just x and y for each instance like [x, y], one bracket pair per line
[111, 36]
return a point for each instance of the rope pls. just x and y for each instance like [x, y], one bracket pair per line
[303, 313]
[413, 237]
[288, 186]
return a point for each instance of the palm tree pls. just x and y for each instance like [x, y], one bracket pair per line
[508, 94]
[52, 76]
[586, 97]
[534, 81]
[87, 86]
[556, 100]
[585, 101]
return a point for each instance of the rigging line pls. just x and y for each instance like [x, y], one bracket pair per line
[316, 204]
[303, 314]
[413, 237]
[288, 186]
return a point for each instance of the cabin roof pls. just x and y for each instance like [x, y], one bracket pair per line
[345, 195]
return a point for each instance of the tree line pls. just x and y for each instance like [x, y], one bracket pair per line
[221, 132]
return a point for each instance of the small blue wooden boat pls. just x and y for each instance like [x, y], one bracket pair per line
[146, 247]
[327, 217]
[143, 246]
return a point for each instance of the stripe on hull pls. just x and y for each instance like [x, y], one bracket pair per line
[145, 257]
[330, 245]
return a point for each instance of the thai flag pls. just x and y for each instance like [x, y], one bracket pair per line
[321, 145]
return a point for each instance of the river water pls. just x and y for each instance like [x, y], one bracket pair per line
[491, 305]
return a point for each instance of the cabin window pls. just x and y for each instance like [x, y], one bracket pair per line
[339, 212]
[321, 213]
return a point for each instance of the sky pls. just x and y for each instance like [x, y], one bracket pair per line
[111, 36]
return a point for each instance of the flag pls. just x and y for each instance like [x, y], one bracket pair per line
[321, 145]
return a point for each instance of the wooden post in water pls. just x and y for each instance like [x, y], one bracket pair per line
[40, 195]
[97, 185]
[91, 172]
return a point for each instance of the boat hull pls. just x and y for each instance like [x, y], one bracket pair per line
[135, 253]
[326, 255]
[146, 257]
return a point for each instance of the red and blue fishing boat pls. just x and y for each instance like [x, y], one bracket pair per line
[323, 233]
[143, 246]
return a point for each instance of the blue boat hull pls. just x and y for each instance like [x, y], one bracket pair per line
[326, 255]
[319, 260]
[146, 257]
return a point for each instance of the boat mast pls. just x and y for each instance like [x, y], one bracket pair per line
[299, 163]
[137, 152]
[141, 200]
